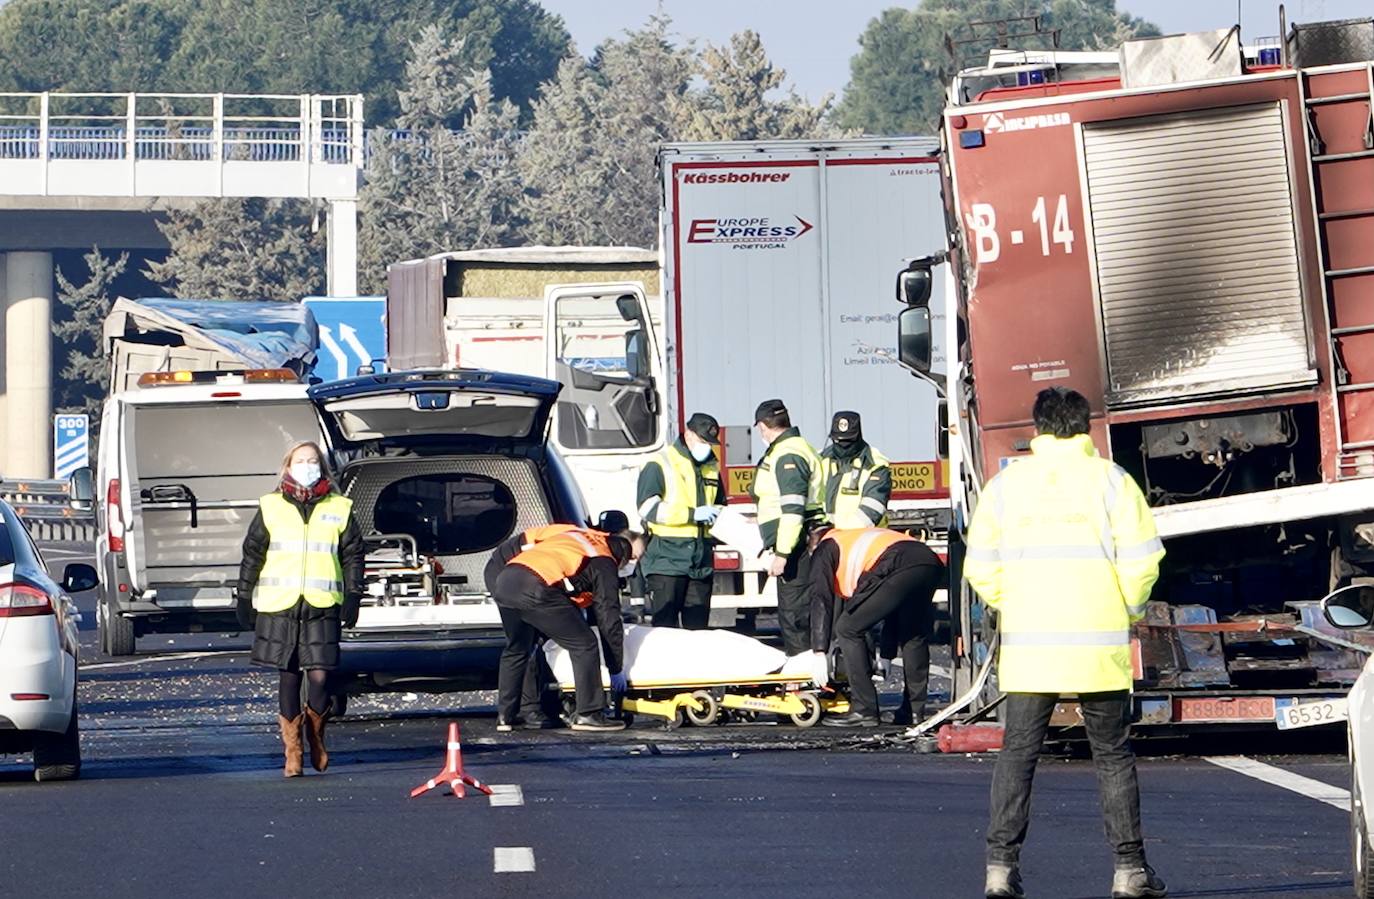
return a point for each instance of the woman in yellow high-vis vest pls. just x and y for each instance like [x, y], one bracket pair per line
[302, 573]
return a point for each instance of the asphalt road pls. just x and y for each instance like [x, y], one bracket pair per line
[182, 795]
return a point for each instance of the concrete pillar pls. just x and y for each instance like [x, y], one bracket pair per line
[4, 354]
[28, 364]
[342, 241]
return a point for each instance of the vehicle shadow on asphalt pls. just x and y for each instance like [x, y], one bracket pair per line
[1295, 888]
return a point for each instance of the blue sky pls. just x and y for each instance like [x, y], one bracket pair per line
[814, 39]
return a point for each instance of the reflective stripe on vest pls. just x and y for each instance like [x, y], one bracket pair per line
[859, 551]
[849, 495]
[766, 494]
[535, 536]
[302, 557]
[561, 556]
[680, 491]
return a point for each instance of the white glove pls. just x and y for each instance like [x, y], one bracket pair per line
[705, 514]
[883, 668]
[820, 668]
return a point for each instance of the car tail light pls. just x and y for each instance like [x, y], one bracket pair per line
[727, 560]
[30, 697]
[22, 601]
[114, 516]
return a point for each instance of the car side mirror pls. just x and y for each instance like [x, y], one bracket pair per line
[1350, 607]
[81, 490]
[79, 577]
[914, 338]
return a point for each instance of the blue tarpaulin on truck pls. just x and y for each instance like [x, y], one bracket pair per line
[264, 334]
[260, 334]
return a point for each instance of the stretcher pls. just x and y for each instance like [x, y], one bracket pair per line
[704, 703]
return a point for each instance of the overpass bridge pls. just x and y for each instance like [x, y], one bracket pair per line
[79, 169]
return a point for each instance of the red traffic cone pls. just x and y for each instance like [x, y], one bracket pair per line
[453, 771]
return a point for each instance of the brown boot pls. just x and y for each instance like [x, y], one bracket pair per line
[314, 731]
[291, 739]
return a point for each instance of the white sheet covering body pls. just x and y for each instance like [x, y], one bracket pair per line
[670, 655]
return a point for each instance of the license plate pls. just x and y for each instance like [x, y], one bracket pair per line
[1231, 708]
[1293, 714]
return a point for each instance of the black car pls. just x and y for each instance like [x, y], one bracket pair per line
[442, 467]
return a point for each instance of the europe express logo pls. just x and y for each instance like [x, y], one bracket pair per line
[743, 233]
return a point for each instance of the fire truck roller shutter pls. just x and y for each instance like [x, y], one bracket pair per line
[1196, 255]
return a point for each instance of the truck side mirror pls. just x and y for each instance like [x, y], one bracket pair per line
[914, 338]
[914, 284]
[81, 490]
[942, 430]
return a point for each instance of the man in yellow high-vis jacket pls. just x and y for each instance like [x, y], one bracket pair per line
[788, 489]
[1063, 546]
[858, 478]
[679, 495]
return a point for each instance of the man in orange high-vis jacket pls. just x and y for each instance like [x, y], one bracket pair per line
[875, 575]
[546, 587]
[539, 707]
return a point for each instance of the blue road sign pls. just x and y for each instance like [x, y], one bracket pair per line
[71, 441]
[352, 333]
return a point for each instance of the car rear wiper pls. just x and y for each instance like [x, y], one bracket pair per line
[173, 493]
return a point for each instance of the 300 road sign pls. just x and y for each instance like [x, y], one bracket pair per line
[71, 444]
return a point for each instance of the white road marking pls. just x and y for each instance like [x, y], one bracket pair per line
[181, 656]
[65, 551]
[1303, 786]
[513, 859]
[506, 794]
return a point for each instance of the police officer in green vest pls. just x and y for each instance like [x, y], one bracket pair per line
[788, 489]
[679, 498]
[858, 478]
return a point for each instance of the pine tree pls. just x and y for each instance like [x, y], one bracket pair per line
[430, 189]
[735, 104]
[78, 330]
[242, 250]
[588, 161]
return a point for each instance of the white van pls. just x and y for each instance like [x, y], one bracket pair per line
[182, 461]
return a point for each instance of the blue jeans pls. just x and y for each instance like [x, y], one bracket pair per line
[1107, 719]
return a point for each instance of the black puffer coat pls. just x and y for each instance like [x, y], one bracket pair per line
[303, 636]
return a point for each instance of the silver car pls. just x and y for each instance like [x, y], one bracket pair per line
[38, 654]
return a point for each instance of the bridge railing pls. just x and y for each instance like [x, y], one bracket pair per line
[53, 129]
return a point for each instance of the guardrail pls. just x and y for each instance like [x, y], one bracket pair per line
[44, 508]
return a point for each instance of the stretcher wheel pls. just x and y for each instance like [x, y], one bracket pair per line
[812, 713]
[709, 713]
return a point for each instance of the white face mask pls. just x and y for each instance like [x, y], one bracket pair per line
[307, 474]
[627, 569]
[700, 451]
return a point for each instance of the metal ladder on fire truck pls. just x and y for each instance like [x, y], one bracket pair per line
[1338, 118]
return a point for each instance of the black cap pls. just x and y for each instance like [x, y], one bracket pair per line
[704, 426]
[613, 521]
[846, 427]
[767, 409]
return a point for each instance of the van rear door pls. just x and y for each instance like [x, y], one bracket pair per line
[196, 471]
[471, 410]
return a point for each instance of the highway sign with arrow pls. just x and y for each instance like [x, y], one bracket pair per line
[352, 333]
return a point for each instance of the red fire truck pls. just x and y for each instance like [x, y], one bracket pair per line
[1182, 231]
